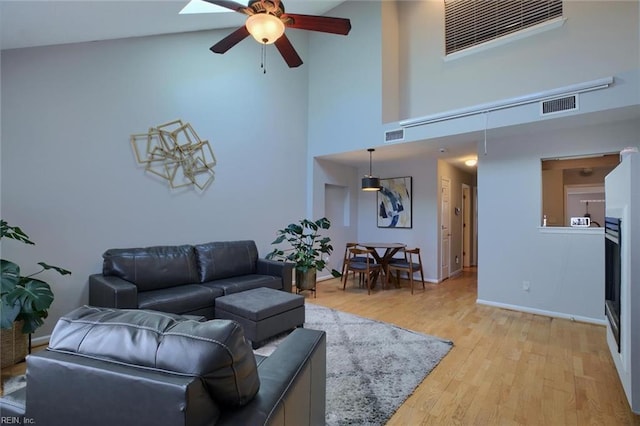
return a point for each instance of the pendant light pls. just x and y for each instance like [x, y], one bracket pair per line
[370, 182]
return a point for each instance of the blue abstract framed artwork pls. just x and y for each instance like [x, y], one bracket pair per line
[394, 203]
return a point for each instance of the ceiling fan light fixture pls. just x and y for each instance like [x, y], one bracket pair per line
[266, 23]
[586, 171]
[265, 28]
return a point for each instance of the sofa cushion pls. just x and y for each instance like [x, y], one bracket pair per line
[245, 282]
[152, 268]
[179, 300]
[216, 350]
[224, 259]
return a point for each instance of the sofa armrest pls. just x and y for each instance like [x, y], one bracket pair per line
[112, 292]
[67, 389]
[277, 268]
[293, 383]
[12, 406]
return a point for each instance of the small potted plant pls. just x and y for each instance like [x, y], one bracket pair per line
[24, 299]
[309, 251]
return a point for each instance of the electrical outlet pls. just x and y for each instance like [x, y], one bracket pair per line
[526, 285]
[457, 260]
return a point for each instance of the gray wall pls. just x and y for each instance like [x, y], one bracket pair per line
[336, 197]
[345, 97]
[362, 207]
[565, 270]
[573, 53]
[69, 177]
[423, 233]
[511, 248]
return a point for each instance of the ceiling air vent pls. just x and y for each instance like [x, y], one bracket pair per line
[394, 135]
[554, 106]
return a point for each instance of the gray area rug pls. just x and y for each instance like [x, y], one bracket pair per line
[372, 367]
[14, 383]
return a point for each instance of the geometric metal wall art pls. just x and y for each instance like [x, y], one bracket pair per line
[174, 152]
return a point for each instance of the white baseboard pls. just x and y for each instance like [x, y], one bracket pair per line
[456, 272]
[543, 312]
[322, 278]
[42, 340]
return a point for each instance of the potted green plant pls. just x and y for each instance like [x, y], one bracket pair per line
[23, 297]
[309, 251]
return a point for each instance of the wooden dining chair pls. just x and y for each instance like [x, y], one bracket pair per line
[345, 258]
[411, 264]
[368, 268]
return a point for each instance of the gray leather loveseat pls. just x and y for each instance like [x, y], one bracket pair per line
[107, 367]
[184, 279]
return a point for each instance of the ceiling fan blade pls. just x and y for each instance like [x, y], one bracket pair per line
[231, 40]
[323, 24]
[287, 51]
[228, 4]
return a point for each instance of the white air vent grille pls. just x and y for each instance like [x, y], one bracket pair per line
[394, 135]
[554, 106]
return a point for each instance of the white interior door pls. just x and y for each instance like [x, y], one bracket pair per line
[466, 226]
[474, 261]
[445, 228]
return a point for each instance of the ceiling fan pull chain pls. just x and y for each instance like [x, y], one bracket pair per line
[263, 58]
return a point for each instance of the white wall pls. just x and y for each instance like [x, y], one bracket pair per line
[345, 110]
[622, 201]
[69, 177]
[423, 233]
[336, 192]
[570, 54]
[511, 247]
[361, 224]
[345, 95]
[565, 271]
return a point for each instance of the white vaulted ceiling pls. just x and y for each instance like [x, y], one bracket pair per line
[25, 23]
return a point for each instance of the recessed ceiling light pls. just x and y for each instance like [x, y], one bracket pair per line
[471, 162]
[199, 6]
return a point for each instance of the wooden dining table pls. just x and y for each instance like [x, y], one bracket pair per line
[390, 249]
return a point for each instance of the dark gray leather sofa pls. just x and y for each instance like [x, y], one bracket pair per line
[107, 367]
[183, 279]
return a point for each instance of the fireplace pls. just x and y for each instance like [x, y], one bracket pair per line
[612, 269]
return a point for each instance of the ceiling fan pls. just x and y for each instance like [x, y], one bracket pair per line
[266, 23]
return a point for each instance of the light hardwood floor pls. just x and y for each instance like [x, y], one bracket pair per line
[506, 367]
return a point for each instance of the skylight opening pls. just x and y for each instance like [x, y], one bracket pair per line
[200, 6]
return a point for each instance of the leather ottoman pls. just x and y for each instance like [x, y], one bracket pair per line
[262, 312]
